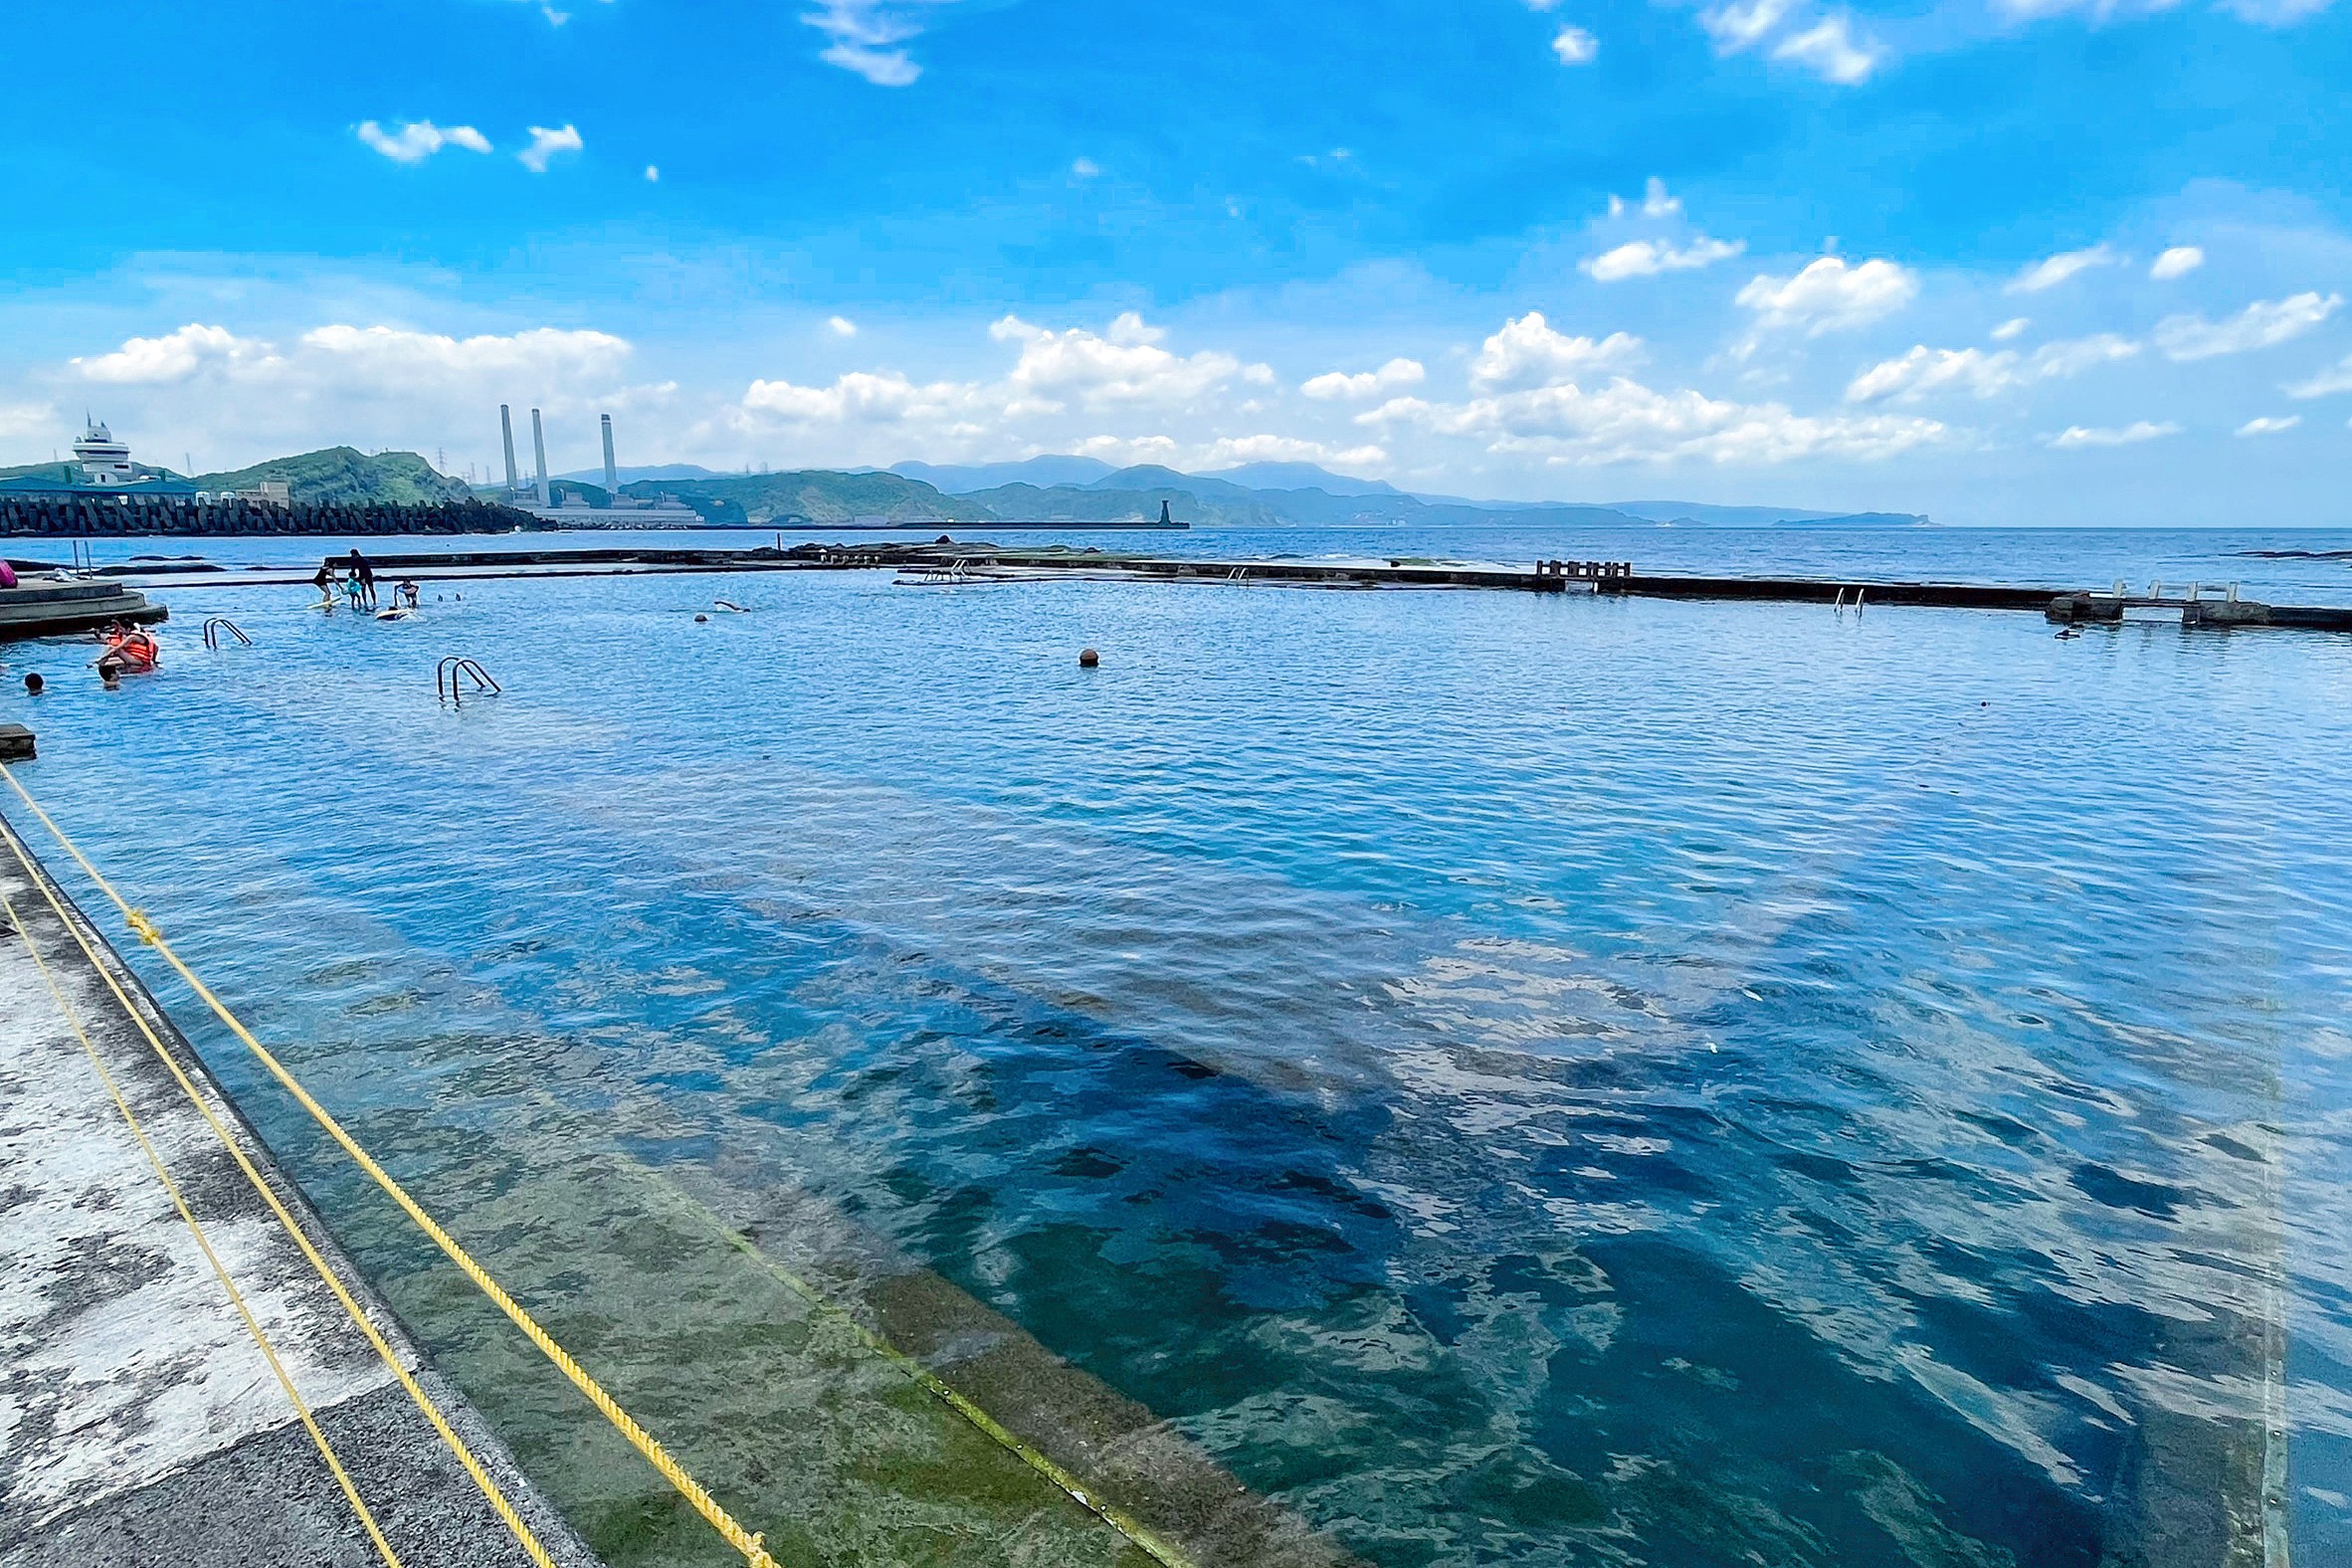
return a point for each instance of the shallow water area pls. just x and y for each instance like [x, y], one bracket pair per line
[1514, 1079]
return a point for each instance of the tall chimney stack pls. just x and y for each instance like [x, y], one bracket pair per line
[506, 428]
[539, 450]
[612, 474]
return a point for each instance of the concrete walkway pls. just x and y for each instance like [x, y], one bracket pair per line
[139, 1419]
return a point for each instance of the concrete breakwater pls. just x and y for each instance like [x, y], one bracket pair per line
[946, 561]
[145, 1416]
[50, 607]
[110, 516]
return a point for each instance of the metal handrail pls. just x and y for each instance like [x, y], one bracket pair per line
[219, 623]
[447, 674]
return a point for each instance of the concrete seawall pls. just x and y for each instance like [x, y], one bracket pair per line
[139, 1421]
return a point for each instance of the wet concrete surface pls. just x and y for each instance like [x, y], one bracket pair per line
[139, 1419]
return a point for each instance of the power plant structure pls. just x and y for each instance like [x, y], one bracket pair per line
[572, 510]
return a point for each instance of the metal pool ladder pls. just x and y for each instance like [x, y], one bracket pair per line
[446, 675]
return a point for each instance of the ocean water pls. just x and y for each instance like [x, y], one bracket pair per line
[1515, 1079]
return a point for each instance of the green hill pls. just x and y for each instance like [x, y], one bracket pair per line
[816, 494]
[63, 473]
[344, 476]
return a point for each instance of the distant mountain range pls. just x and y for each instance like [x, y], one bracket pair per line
[1035, 489]
[1293, 494]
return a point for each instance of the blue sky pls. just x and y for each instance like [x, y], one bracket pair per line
[2000, 261]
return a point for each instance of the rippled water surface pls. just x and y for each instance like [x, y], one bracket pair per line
[1517, 1079]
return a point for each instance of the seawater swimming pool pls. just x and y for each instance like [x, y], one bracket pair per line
[1518, 1081]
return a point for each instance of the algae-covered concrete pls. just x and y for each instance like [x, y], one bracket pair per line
[139, 1419]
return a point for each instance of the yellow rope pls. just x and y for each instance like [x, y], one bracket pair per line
[515, 1522]
[755, 1553]
[220, 1270]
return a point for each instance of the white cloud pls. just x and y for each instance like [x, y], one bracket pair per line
[1396, 410]
[175, 356]
[19, 420]
[866, 34]
[1648, 258]
[1830, 51]
[861, 397]
[2128, 435]
[1529, 402]
[2074, 355]
[842, 325]
[1233, 451]
[1224, 452]
[1575, 46]
[2052, 270]
[1827, 48]
[1626, 422]
[2259, 326]
[2269, 424]
[864, 413]
[2274, 13]
[1655, 203]
[393, 360]
[1127, 450]
[1334, 384]
[1123, 364]
[2267, 13]
[2335, 378]
[399, 359]
[1084, 170]
[234, 398]
[1742, 24]
[2178, 262]
[418, 140]
[2014, 328]
[1528, 352]
[1924, 371]
[1829, 295]
[545, 145]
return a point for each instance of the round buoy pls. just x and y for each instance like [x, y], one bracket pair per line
[1089, 659]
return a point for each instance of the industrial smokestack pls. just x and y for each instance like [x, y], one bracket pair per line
[506, 428]
[612, 476]
[539, 451]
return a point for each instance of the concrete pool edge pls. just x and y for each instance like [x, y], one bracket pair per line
[141, 1420]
